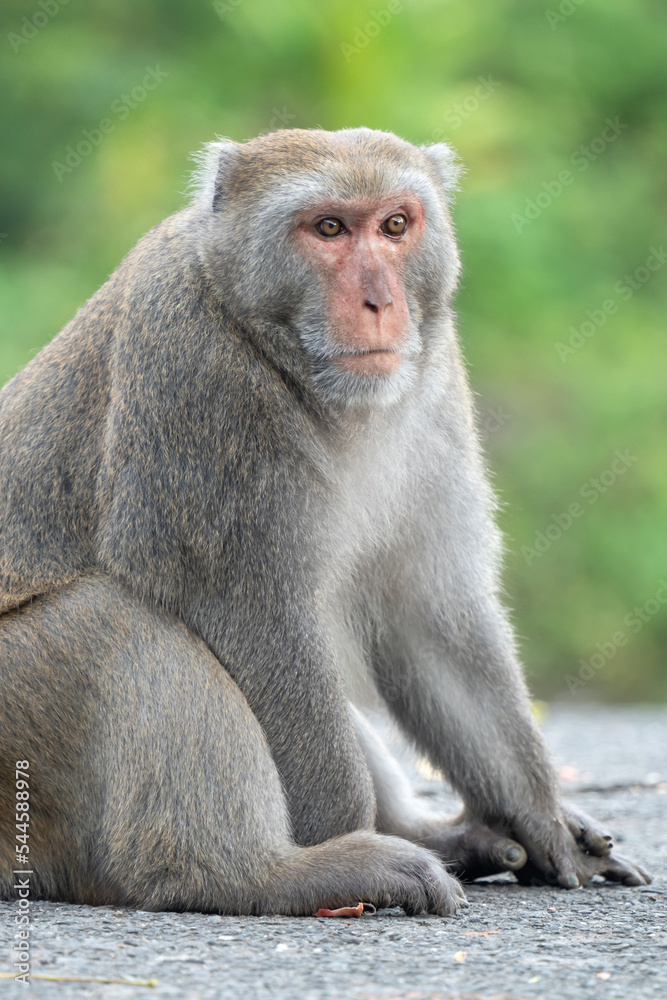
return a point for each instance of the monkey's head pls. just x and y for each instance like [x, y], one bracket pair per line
[336, 250]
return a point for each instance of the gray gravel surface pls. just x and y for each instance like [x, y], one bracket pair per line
[603, 941]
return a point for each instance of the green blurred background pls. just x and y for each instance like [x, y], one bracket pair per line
[524, 91]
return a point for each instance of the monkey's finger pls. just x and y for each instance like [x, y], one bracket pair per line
[568, 879]
[587, 832]
[557, 871]
[563, 865]
[534, 875]
[621, 870]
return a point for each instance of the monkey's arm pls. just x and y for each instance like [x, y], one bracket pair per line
[469, 849]
[459, 694]
[445, 659]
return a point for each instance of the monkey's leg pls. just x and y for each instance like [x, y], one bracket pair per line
[284, 663]
[150, 780]
[468, 849]
[457, 690]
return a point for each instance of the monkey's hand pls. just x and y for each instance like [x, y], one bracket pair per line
[568, 849]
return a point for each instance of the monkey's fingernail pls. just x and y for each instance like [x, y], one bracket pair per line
[513, 854]
[571, 882]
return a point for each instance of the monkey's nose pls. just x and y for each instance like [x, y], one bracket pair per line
[375, 290]
[379, 305]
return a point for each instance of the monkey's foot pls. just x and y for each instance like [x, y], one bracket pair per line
[473, 850]
[423, 883]
[382, 870]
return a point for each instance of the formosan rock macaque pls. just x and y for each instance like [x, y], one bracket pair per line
[241, 484]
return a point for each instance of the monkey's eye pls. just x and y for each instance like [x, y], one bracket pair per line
[330, 227]
[395, 225]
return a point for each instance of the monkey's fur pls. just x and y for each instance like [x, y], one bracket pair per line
[209, 535]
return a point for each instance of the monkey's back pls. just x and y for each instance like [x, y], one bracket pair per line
[51, 424]
[53, 433]
[118, 439]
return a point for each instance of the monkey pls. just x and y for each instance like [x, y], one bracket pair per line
[243, 483]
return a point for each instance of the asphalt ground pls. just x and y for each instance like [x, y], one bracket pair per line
[604, 941]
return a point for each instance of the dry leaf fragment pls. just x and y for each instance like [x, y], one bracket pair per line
[460, 956]
[603, 975]
[481, 933]
[347, 911]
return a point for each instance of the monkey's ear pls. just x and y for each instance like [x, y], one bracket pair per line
[447, 166]
[212, 164]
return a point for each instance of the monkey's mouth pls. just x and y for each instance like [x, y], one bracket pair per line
[375, 361]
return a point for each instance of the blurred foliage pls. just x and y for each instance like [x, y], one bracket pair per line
[518, 88]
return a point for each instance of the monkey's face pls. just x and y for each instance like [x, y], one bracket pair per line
[336, 251]
[359, 330]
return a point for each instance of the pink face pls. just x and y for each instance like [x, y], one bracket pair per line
[359, 248]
